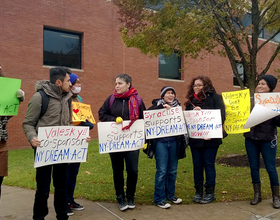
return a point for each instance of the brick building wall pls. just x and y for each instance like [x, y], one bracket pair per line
[103, 55]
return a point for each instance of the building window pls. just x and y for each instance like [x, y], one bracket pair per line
[62, 48]
[240, 71]
[169, 66]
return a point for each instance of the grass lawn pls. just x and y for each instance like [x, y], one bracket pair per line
[95, 181]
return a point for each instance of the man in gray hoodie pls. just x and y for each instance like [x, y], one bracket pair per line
[58, 113]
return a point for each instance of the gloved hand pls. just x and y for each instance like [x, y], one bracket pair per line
[119, 120]
[144, 146]
[20, 95]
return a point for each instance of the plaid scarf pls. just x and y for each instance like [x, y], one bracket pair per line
[132, 105]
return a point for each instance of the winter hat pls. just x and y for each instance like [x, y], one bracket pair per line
[165, 89]
[270, 80]
[73, 78]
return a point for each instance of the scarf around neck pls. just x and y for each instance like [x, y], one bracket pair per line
[133, 105]
[173, 104]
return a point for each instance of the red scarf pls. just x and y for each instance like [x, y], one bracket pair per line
[132, 105]
[196, 97]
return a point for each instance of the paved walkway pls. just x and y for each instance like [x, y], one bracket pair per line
[16, 204]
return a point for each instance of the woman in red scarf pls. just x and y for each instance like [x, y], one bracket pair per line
[202, 95]
[124, 104]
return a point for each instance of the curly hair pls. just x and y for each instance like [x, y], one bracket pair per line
[207, 87]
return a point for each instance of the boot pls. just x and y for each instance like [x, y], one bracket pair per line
[275, 197]
[257, 194]
[198, 193]
[209, 194]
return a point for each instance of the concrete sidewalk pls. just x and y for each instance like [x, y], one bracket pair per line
[17, 203]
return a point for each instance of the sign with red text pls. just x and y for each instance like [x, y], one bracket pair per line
[269, 100]
[206, 123]
[164, 123]
[112, 138]
[61, 144]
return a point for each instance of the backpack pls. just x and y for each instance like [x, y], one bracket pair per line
[45, 102]
[112, 99]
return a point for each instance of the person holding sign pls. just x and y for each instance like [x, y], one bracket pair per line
[73, 168]
[262, 139]
[166, 151]
[58, 113]
[202, 95]
[4, 137]
[124, 104]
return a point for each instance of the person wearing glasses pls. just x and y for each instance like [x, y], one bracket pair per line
[202, 95]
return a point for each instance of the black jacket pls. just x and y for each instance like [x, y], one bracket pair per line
[266, 131]
[212, 101]
[119, 108]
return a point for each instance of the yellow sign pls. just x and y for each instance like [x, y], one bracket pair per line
[237, 110]
[82, 112]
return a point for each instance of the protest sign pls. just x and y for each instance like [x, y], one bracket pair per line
[164, 123]
[82, 112]
[269, 100]
[112, 138]
[61, 144]
[260, 114]
[206, 123]
[237, 111]
[8, 100]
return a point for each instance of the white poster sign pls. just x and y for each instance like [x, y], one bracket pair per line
[206, 123]
[61, 144]
[112, 138]
[164, 123]
[269, 100]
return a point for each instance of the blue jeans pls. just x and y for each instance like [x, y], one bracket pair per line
[268, 150]
[204, 159]
[72, 172]
[166, 164]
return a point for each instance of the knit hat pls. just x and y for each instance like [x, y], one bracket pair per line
[73, 78]
[165, 89]
[270, 80]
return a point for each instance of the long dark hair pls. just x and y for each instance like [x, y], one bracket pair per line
[207, 87]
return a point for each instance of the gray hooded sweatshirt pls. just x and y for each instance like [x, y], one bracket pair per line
[58, 113]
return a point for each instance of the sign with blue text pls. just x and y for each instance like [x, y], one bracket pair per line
[164, 123]
[112, 138]
[206, 123]
[61, 144]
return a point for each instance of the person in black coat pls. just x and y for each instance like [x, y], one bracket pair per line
[202, 95]
[262, 139]
[124, 104]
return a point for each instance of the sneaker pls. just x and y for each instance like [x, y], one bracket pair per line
[176, 200]
[130, 203]
[69, 211]
[163, 205]
[76, 206]
[122, 203]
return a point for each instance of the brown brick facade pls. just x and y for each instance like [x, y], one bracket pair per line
[103, 55]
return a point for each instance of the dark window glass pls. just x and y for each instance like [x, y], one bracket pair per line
[169, 66]
[62, 48]
[240, 70]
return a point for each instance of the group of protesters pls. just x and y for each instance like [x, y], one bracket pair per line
[64, 86]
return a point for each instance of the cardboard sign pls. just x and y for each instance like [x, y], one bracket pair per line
[82, 112]
[269, 100]
[61, 144]
[112, 138]
[8, 99]
[164, 123]
[238, 108]
[206, 123]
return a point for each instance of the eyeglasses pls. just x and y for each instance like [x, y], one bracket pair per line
[198, 85]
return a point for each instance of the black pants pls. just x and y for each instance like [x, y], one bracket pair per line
[1, 180]
[131, 162]
[43, 178]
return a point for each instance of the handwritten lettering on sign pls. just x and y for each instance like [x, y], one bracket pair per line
[61, 144]
[237, 110]
[164, 123]
[204, 123]
[8, 99]
[82, 112]
[269, 100]
[112, 138]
